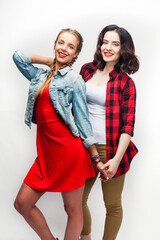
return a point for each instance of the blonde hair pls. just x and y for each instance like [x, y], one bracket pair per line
[79, 47]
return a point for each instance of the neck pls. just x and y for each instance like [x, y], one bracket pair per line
[108, 68]
[57, 66]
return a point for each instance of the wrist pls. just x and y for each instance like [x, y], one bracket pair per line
[99, 165]
[95, 159]
[117, 159]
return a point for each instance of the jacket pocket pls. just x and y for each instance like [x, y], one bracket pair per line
[63, 95]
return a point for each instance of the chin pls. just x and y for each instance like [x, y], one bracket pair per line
[61, 62]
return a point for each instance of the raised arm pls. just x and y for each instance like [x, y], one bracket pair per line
[24, 63]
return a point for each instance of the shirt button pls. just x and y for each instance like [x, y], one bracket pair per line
[107, 105]
[107, 116]
[54, 84]
[54, 98]
[55, 77]
[107, 93]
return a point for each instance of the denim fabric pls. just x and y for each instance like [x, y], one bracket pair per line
[67, 93]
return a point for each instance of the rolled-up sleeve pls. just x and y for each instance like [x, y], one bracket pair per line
[81, 115]
[24, 63]
[128, 107]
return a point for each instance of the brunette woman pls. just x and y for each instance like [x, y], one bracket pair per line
[63, 163]
[111, 98]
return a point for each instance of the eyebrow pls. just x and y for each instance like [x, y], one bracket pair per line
[105, 40]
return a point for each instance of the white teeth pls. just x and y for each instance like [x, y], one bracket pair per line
[110, 54]
[62, 54]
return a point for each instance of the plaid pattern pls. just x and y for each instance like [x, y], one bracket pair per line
[120, 113]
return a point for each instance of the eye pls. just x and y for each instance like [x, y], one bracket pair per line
[117, 44]
[71, 47]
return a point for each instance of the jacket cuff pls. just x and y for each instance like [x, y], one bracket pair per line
[127, 130]
[24, 56]
[89, 141]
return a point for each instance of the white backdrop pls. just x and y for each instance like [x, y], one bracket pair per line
[33, 25]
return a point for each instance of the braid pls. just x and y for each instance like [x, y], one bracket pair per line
[48, 80]
[53, 68]
[73, 61]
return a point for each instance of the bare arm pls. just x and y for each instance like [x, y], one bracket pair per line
[41, 60]
[112, 165]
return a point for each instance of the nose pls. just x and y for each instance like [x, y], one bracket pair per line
[108, 46]
[64, 47]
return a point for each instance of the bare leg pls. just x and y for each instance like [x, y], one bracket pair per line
[73, 207]
[25, 205]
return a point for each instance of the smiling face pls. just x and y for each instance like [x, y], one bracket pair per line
[110, 48]
[65, 48]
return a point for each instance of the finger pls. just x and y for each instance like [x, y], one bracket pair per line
[106, 165]
[106, 180]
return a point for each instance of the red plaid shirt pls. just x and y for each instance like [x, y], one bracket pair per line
[120, 113]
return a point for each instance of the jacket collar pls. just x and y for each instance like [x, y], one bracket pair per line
[65, 70]
[113, 74]
[62, 71]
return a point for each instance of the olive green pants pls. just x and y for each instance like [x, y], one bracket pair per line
[112, 190]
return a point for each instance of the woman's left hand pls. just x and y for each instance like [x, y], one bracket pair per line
[111, 168]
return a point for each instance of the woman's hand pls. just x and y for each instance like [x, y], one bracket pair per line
[103, 172]
[110, 168]
[112, 165]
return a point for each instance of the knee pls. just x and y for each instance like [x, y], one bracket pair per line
[19, 205]
[72, 209]
[114, 207]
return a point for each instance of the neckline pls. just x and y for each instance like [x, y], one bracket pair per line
[104, 86]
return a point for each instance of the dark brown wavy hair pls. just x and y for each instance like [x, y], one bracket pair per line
[128, 62]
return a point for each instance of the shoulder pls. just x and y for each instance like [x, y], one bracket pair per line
[127, 85]
[87, 70]
[87, 66]
[125, 80]
[75, 78]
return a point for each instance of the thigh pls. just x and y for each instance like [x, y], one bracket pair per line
[28, 196]
[112, 189]
[73, 198]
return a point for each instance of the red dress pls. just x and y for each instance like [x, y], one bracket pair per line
[63, 163]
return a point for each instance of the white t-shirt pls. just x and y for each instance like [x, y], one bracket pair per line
[96, 99]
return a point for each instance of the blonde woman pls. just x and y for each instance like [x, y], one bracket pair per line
[63, 163]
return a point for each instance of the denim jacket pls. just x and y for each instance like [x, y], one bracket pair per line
[67, 94]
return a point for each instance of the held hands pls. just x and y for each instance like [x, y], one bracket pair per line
[107, 170]
[103, 172]
[110, 168]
